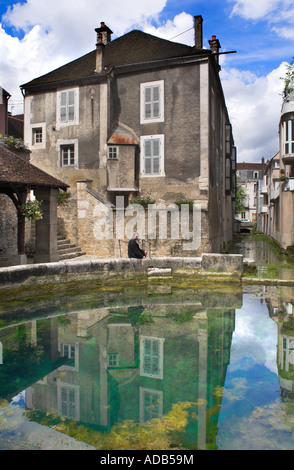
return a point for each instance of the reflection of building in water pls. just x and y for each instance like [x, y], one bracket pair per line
[134, 363]
[282, 312]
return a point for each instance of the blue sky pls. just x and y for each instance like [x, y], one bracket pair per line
[37, 36]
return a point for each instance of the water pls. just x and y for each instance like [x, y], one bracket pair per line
[165, 367]
[268, 260]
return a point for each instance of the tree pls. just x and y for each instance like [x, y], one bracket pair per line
[289, 79]
[240, 197]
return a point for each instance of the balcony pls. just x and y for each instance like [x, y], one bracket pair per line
[289, 185]
[288, 158]
[275, 193]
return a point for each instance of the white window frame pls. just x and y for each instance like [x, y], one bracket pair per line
[288, 137]
[143, 141]
[152, 85]
[76, 390]
[67, 122]
[37, 145]
[60, 144]
[158, 394]
[37, 136]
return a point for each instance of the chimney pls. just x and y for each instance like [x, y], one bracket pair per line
[198, 31]
[215, 47]
[103, 33]
[103, 38]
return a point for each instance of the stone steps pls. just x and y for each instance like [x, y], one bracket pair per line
[68, 250]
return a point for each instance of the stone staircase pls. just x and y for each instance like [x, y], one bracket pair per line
[68, 250]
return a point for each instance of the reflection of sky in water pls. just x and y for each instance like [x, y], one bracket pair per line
[251, 407]
[255, 337]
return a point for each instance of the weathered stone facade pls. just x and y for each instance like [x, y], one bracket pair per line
[95, 129]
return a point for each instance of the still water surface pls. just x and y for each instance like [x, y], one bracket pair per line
[188, 369]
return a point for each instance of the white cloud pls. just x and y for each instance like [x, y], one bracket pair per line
[254, 105]
[173, 29]
[278, 13]
[56, 32]
[252, 9]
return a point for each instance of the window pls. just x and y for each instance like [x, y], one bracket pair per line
[113, 360]
[67, 155]
[112, 153]
[288, 131]
[68, 398]
[228, 174]
[151, 404]
[152, 102]
[151, 357]
[67, 108]
[37, 135]
[243, 215]
[152, 155]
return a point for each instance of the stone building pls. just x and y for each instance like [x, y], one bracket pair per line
[249, 176]
[143, 117]
[4, 97]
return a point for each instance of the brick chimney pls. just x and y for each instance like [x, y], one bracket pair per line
[103, 38]
[215, 47]
[198, 31]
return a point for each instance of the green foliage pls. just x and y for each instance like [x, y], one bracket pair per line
[184, 200]
[143, 201]
[63, 197]
[289, 79]
[30, 210]
[240, 197]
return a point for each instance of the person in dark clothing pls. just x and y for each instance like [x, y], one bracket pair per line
[134, 251]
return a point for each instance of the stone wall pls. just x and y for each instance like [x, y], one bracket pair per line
[104, 231]
[104, 268]
[8, 231]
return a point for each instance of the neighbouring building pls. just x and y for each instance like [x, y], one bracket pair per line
[138, 116]
[249, 176]
[276, 216]
[4, 97]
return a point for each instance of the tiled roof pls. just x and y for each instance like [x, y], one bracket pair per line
[15, 170]
[251, 166]
[134, 47]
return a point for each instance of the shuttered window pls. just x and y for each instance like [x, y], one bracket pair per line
[152, 150]
[152, 102]
[67, 106]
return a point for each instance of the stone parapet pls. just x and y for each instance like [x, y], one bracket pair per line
[43, 272]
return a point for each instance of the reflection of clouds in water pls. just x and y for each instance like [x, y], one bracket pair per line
[265, 428]
[238, 392]
[19, 399]
[255, 337]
